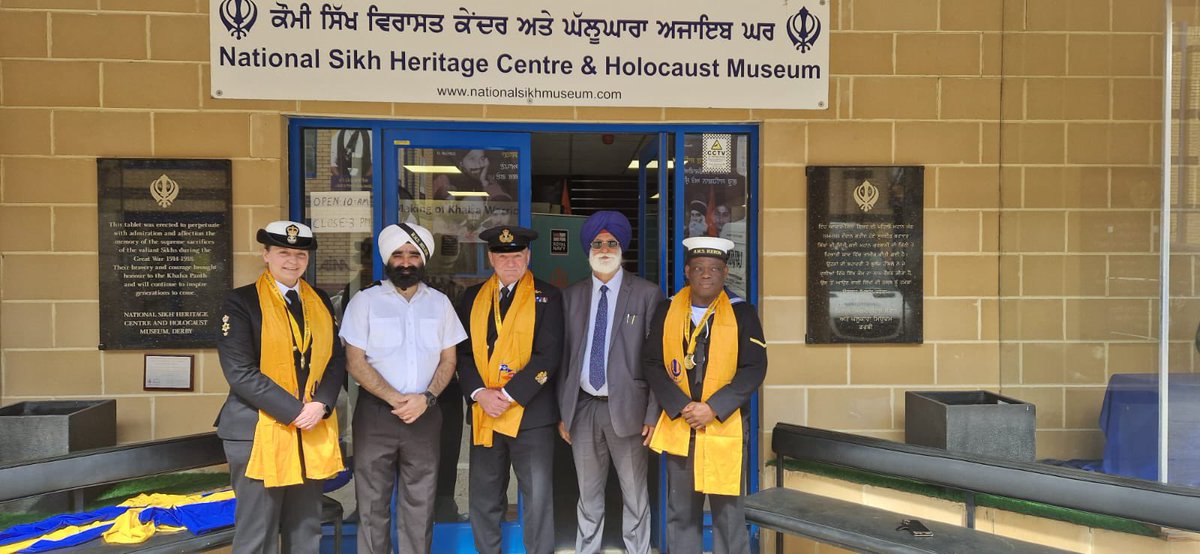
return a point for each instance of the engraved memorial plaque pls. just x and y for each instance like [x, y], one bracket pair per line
[165, 251]
[865, 230]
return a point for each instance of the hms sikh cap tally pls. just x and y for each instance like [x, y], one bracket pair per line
[710, 247]
[508, 238]
[287, 234]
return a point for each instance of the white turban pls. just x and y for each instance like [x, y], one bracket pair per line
[393, 237]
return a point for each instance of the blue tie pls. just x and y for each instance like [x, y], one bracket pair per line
[596, 365]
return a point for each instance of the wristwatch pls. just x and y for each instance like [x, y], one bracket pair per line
[430, 399]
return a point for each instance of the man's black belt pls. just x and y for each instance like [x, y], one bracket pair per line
[583, 393]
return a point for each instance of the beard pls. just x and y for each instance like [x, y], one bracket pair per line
[604, 264]
[405, 276]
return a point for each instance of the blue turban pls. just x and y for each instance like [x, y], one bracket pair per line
[607, 220]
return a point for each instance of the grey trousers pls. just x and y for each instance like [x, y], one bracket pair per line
[386, 450]
[685, 509]
[265, 515]
[595, 446]
[531, 456]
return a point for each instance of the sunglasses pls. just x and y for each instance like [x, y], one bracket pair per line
[598, 244]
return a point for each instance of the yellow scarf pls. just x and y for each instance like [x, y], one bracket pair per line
[513, 347]
[275, 457]
[718, 458]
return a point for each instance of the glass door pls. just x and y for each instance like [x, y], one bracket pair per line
[652, 208]
[456, 184]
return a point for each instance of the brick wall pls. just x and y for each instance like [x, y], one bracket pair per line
[1036, 121]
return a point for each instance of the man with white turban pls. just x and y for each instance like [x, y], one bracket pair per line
[400, 339]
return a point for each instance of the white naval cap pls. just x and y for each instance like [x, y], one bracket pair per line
[393, 237]
[712, 247]
[288, 234]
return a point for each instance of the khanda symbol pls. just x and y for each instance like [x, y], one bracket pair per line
[238, 16]
[804, 28]
[865, 196]
[164, 190]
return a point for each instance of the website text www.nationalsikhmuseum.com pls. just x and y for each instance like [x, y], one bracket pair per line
[529, 92]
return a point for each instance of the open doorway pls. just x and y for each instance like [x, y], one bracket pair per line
[578, 174]
[574, 176]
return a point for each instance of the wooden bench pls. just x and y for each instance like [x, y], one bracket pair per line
[867, 529]
[72, 473]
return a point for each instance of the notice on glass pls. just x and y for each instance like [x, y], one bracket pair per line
[865, 229]
[165, 251]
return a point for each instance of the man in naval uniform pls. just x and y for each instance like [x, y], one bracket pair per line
[280, 353]
[401, 337]
[704, 358]
[506, 368]
[608, 414]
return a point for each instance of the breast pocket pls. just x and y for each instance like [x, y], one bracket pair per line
[387, 333]
[431, 334]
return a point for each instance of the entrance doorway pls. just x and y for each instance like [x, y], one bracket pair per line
[350, 178]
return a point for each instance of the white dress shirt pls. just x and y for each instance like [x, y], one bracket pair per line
[283, 289]
[403, 338]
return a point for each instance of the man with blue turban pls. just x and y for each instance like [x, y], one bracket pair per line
[608, 414]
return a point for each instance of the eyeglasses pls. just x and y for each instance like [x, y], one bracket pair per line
[598, 244]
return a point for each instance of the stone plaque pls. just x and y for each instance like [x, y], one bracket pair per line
[166, 251]
[865, 229]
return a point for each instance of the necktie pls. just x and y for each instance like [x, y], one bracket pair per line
[505, 301]
[597, 358]
[295, 307]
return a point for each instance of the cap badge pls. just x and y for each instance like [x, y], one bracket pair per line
[505, 236]
[292, 232]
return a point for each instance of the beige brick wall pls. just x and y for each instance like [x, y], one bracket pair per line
[1036, 122]
[1081, 156]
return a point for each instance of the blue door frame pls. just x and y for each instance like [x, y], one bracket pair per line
[480, 134]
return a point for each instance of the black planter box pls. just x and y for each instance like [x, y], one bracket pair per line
[32, 430]
[972, 422]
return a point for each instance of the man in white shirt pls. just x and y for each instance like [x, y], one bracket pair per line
[400, 339]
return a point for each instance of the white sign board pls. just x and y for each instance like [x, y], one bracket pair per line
[340, 212]
[686, 53]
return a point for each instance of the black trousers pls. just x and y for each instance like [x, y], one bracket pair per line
[531, 457]
[267, 518]
[450, 402]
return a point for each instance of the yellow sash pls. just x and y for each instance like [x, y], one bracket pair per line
[718, 458]
[275, 457]
[510, 353]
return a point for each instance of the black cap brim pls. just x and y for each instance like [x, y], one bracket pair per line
[271, 239]
[507, 248]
